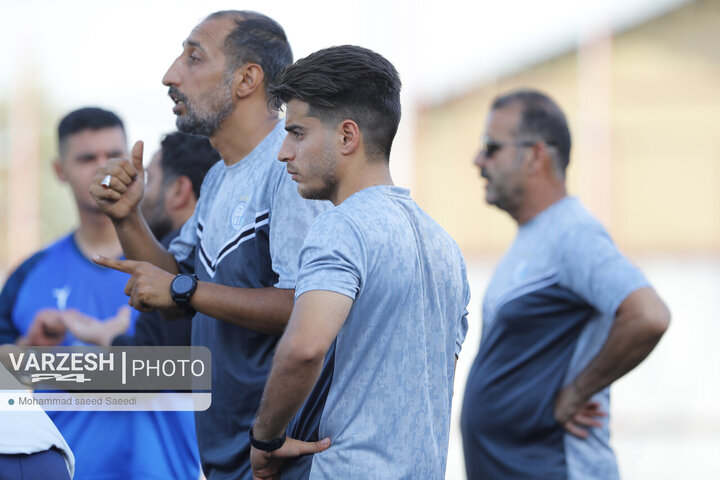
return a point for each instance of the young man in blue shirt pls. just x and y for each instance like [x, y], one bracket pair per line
[61, 278]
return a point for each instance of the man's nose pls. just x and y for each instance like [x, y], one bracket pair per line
[286, 153]
[171, 76]
[480, 159]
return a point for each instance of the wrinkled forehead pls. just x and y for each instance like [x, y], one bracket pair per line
[210, 34]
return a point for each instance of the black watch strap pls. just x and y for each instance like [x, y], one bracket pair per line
[270, 446]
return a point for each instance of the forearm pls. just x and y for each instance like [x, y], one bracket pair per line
[138, 243]
[292, 378]
[634, 334]
[265, 310]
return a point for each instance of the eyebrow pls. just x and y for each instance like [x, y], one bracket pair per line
[293, 127]
[195, 44]
[85, 156]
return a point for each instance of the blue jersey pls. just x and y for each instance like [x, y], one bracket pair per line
[107, 445]
[546, 313]
[384, 395]
[247, 229]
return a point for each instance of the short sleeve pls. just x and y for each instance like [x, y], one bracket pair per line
[461, 333]
[183, 246]
[290, 219]
[462, 327]
[8, 297]
[333, 257]
[594, 269]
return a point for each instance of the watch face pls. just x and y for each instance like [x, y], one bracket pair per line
[182, 284]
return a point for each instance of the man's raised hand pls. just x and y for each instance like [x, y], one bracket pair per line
[119, 185]
[148, 287]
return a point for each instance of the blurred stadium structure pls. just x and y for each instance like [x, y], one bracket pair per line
[643, 107]
[643, 103]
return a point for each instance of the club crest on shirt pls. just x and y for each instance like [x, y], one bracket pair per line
[61, 296]
[238, 215]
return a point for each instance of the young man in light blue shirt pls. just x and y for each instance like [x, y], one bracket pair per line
[367, 360]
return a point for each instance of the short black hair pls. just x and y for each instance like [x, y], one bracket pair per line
[541, 117]
[92, 118]
[346, 82]
[189, 155]
[258, 39]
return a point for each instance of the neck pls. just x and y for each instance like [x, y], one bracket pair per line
[537, 201]
[364, 176]
[96, 235]
[180, 216]
[243, 130]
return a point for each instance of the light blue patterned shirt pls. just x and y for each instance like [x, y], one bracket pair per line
[385, 391]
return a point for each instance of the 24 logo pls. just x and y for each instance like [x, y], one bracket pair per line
[59, 377]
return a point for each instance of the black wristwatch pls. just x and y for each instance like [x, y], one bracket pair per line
[270, 446]
[182, 288]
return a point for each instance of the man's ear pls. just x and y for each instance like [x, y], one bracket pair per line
[179, 193]
[540, 158]
[59, 170]
[247, 79]
[351, 137]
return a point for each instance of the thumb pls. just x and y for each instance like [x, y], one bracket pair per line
[123, 315]
[294, 448]
[137, 156]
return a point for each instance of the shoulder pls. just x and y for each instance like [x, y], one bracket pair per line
[334, 223]
[17, 278]
[21, 272]
[567, 226]
[212, 177]
[58, 247]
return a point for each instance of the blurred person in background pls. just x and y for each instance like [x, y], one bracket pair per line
[174, 177]
[60, 278]
[235, 260]
[564, 316]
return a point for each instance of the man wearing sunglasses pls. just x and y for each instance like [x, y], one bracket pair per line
[564, 315]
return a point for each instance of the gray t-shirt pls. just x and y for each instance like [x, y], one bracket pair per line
[546, 313]
[385, 391]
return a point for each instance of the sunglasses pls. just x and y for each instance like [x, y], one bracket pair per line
[490, 147]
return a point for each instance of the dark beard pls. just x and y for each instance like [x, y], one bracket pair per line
[205, 126]
[208, 124]
[326, 192]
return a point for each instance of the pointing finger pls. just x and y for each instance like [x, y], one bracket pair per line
[127, 266]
